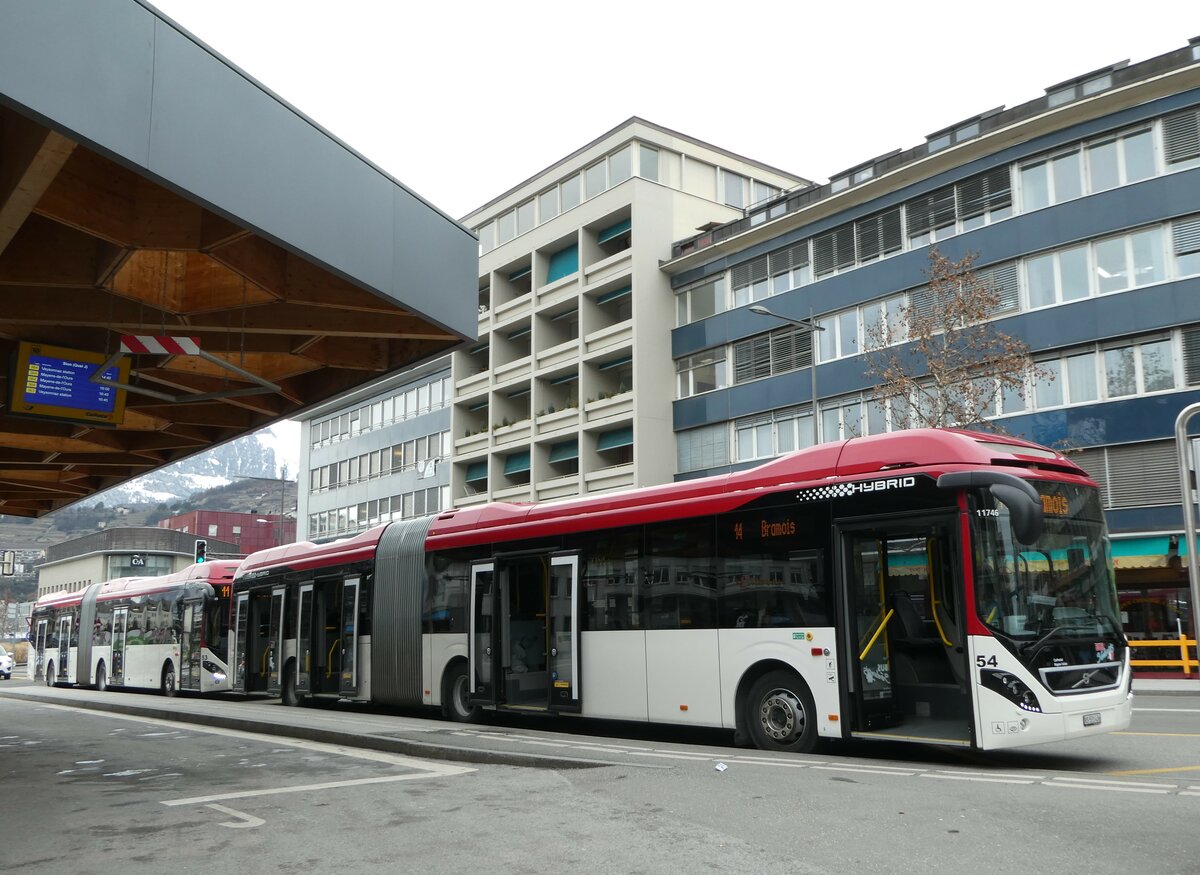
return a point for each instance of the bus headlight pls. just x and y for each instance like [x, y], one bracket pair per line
[1010, 687]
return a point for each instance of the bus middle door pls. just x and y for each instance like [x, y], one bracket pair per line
[39, 648]
[866, 618]
[564, 633]
[304, 640]
[241, 619]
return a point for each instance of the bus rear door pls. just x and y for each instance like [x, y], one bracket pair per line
[61, 663]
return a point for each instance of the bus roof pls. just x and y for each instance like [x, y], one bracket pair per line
[220, 571]
[925, 450]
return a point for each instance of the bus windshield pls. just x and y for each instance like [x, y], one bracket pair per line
[1061, 586]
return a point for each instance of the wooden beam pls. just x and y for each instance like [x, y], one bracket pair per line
[31, 157]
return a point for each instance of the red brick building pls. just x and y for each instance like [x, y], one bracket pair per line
[250, 531]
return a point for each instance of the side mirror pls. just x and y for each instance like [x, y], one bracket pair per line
[1022, 500]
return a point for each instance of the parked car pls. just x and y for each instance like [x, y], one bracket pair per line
[6, 663]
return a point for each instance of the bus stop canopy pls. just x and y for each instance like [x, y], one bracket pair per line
[162, 212]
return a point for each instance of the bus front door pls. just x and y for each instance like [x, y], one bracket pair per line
[349, 638]
[304, 640]
[120, 630]
[189, 647]
[273, 662]
[241, 622]
[481, 642]
[903, 632]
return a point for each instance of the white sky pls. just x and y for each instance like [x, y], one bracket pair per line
[461, 101]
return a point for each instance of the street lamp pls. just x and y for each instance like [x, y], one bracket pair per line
[813, 328]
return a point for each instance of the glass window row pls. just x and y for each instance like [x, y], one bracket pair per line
[421, 453]
[1083, 168]
[1090, 269]
[359, 517]
[416, 401]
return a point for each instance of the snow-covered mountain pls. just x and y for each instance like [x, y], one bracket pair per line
[271, 453]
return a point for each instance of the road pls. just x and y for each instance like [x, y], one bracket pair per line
[97, 791]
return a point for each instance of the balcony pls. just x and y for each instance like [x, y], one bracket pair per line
[607, 268]
[522, 492]
[509, 434]
[608, 408]
[610, 336]
[559, 487]
[616, 477]
[567, 418]
[471, 444]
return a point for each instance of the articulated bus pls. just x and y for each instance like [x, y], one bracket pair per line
[163, 633]
[940, 586]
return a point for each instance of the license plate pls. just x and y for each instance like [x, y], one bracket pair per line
[1091, 719]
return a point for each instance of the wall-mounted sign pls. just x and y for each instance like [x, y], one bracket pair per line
[51, 382]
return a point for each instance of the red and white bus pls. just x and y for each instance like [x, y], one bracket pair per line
[163, 633]
[933, 585]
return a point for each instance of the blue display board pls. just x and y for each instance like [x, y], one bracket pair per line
[52, 382]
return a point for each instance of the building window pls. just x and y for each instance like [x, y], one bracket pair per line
[702, 372]
[734, 189]
[647, 162]
[548, 205]
[620, 165]
[701, 448]
[212, 531]
[749, 281]
[569, 193]
[700, 301]
[595, 180]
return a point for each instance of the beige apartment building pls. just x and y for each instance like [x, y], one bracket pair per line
[569, 388]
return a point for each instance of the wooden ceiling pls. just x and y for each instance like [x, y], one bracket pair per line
[90, 251]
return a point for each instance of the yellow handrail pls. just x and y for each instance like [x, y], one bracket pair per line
[329, 659]
[1182, 642]
[882, 626]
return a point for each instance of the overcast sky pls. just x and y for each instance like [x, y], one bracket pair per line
[461, 101]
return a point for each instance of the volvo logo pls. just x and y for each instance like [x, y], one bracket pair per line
[1085, 679]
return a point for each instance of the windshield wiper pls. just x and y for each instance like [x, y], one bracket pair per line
[1037, 644]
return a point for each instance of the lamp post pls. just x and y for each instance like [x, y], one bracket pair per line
[813, 328]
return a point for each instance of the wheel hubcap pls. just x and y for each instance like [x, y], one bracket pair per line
[781, 715]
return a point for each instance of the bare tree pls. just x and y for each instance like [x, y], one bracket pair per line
[940, 360]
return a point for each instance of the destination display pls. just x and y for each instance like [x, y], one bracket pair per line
[53, 382]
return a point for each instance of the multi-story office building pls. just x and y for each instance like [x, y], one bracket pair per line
[1083, 209]
[569, 387]
[377, 455]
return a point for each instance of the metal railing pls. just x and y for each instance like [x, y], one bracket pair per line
[1186, 661]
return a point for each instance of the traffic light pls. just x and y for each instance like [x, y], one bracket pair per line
[201, 549]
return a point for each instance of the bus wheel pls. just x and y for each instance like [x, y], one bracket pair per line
[781, 713]
[101, 678]
[49, 674]
[290, 697]
[168, 687]
[455, 693]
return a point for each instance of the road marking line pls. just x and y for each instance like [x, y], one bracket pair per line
[1189, 793]
[1162, 734]
[979, 778]
[1075, 780]
[993, 775]
[1100, 787]
[867, 771]
[304, 788]
[1155, 771]
[247, 821]
[1171, 710]
[670, 756]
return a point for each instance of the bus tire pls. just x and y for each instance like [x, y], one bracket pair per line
[168, 686]
[780, 713]
[101, 678]
[49, 674]
[290, 697]
[455, 691]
